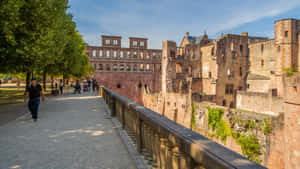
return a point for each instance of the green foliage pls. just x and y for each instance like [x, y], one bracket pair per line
[250, 147]
[251, 124]
[289, 71]
[267, 127]
[193, 120]
[217, 124]
[40, 36]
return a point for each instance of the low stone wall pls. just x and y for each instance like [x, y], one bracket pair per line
[168, 144]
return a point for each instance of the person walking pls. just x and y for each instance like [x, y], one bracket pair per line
[34, 92]
[77, 87]
[61, 86]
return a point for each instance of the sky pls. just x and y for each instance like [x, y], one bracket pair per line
[160, 20]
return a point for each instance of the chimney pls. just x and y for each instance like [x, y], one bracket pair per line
[187, 33]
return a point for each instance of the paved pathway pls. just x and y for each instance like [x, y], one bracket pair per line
[73, 133]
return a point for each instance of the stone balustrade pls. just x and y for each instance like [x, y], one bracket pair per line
[168, 145]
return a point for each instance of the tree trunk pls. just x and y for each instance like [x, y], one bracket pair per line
[52, 82]
[44, 80]
[27, 79]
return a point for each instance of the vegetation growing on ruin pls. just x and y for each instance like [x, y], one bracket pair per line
[267, 127]
[217, 124]
[289, 71]
[250, 146]
[221, 129]
[193, 120]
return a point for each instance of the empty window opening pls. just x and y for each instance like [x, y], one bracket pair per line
[100, 67]
[128, 68]
[140, 85]
[278, 48]
[107, 53]
[286, 34]
[121, 67]
[134, 43]
[107, 67]
[142, 44]
[100, 53]
[224, 103]
[241, 48]
[262, 48]
[262, 62]
[118, 85]
[115, 54]
[115, 42]
[94, 53]
[107, 42]
[115, 67]
[121, 54]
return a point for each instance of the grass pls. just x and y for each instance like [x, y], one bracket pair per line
[14, 95]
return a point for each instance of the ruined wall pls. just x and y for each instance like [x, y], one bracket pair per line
[232, 60]
[244, 125]
[209, 69]
[259, 102]
[175, 106]
[262, 57]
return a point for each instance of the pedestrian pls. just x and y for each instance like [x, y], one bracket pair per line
[89, 85]
[94, 84]
[61, 86]
[56, 84]
[0, 82]
[71, 83]
[34, 92]
[77, 87]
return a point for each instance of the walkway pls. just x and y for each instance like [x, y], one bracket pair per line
[73, 132]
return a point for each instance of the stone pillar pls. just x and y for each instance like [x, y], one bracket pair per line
[101, 91]
[175, 158]
[163, 147]
[185, 161]
[169, 154]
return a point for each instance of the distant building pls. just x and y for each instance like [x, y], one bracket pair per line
[126, 70]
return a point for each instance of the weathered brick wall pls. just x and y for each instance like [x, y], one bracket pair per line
[129, 85]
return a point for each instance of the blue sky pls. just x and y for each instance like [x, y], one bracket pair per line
[160, 20]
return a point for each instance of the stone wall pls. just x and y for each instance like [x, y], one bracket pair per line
[259, 102]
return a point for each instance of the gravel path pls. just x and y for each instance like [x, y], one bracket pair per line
[73, 133]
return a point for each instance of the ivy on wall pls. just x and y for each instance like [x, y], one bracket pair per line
[249, 143]
[193, 120]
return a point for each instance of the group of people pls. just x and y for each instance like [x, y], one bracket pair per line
[34, 92]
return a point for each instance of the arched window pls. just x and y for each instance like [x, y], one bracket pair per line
[262, 62]
[115, 54]
[147, 67]
[213, 51]
[278, 48]
[94, 53]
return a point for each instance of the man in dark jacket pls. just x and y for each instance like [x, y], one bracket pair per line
[34, 92]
